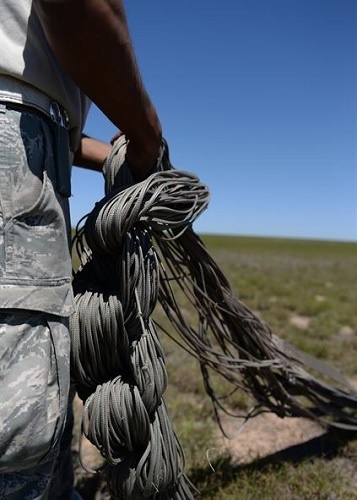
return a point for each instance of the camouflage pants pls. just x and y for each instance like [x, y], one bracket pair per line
[34, 373]
[35, 302]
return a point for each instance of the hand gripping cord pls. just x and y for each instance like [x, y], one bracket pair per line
[136, 242]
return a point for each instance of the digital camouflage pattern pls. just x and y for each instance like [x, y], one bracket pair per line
[34, 373]
[35, 301]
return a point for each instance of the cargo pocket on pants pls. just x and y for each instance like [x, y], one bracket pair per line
[34, 378]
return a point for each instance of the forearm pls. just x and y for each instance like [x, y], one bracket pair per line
[91, 153]
[92, 42]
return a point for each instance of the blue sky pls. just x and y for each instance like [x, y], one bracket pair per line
[258, 98]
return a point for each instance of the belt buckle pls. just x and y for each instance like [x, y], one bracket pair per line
[59, 115]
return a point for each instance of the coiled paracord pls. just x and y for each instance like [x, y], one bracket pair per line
[117, 360]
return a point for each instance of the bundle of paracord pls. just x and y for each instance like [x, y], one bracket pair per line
[134, 245]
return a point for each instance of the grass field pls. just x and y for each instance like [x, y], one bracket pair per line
[306, 291]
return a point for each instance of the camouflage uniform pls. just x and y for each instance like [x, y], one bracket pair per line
[35, 303]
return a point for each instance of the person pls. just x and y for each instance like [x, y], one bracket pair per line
[56, 57]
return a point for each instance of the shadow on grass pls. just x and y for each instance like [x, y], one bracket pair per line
[326, 446]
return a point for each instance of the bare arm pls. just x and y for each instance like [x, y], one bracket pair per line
[91, 40]
[91, 153]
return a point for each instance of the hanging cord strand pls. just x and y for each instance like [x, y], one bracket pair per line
[251, 357]
[136, 247]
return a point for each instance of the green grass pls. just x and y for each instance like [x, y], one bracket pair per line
[309, 479]
[279, 279]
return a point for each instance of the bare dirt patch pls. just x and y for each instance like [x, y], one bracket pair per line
[264, 435]
[301, 322]
[346, 332]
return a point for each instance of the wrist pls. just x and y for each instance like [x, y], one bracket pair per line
[142, 157]
[144, 148]
[148, 138]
